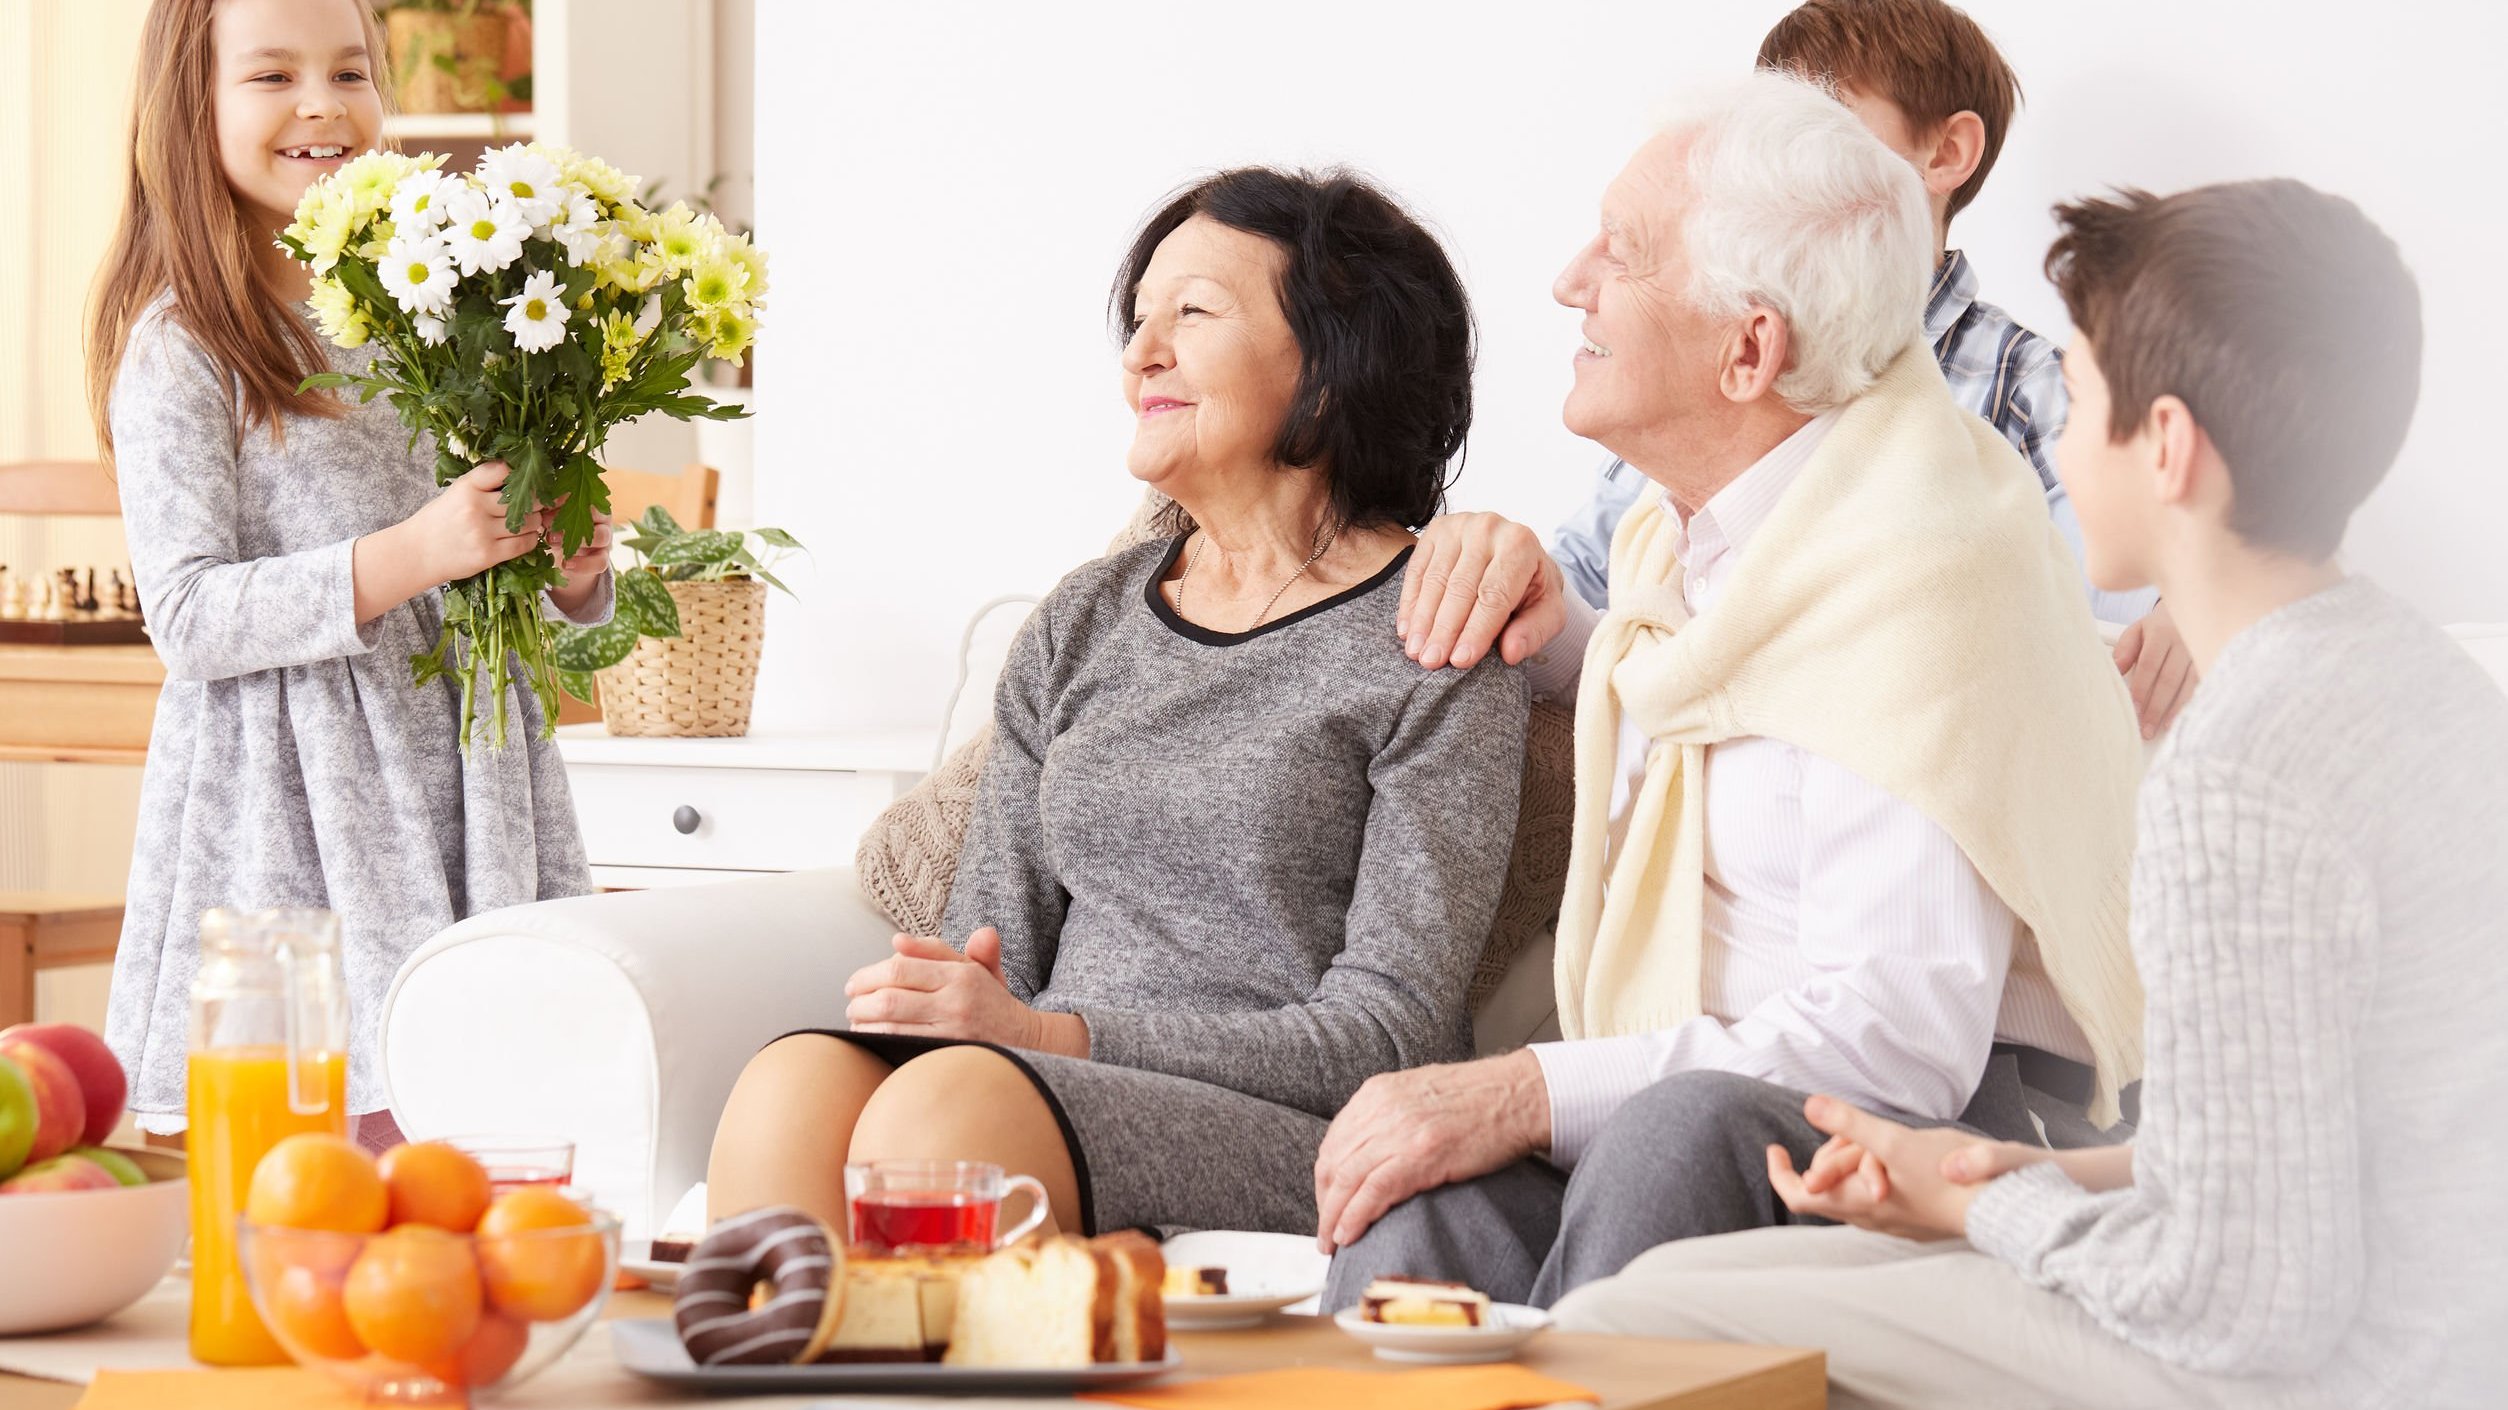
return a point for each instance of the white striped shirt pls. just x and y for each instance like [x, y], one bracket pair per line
[1848, 945]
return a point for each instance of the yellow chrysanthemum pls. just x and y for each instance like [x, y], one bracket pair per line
[607, 183]
[681, 237]
[717, 282]
[618, 348]
[337, 315]
[368, 180]
[729, 335]
[752, 262]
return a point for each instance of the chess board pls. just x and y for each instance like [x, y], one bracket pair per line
[77, 629]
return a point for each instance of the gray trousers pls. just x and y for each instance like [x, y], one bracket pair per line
[1683, 1159]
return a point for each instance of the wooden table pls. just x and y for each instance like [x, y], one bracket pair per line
[1629, 1373]
[78, 704]
[44, 929]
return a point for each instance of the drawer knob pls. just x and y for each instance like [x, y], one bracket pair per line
[686, 819]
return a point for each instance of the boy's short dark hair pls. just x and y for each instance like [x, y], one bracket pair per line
[2282, 317]
[1927, 57]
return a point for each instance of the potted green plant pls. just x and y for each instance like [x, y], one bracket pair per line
[681, 657]
[448, 56]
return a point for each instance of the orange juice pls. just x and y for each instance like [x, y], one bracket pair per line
[238, 1110]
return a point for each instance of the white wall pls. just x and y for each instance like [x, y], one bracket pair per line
[945, 187]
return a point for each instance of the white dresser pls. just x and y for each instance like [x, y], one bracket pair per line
[673, 812]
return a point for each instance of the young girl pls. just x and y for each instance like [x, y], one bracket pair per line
[290, 548]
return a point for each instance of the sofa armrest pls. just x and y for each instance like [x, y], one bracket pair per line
[619, 1020]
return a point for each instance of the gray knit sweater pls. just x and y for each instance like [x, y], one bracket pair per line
[2320, 1197]
[1265, 860]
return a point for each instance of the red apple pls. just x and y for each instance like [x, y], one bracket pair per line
[99, 1073]
[18, 1116]
[69, 1172]
[61, 1109]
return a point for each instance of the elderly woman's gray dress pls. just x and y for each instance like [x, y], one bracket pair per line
[1261, 865]
[292, 762]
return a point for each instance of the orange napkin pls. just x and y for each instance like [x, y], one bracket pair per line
[1504, 1386]
[257, 1388]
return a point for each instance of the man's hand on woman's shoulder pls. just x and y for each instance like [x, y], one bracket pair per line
[1477, 581]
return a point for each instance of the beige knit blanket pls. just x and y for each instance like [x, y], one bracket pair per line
[1908, 612]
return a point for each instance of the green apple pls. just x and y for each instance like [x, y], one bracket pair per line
[18, 1117]
[121, 1167]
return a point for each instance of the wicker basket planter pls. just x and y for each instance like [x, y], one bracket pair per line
[476, 43]
[699, 683]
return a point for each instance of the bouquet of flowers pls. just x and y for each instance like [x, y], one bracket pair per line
[518, 313]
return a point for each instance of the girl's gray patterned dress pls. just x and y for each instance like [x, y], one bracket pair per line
[1262, 866]
[292, 762]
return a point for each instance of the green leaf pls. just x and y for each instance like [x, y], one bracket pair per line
[778, 538]
[659, 523]
[530, 482]
[749, 560]
[578, 684]
[595, 648]
[701, 546]
[326, 379]
[643, 601]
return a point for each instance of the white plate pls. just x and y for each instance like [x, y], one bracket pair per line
[1267, 1273]
[650, 1347]
[1510, 1327]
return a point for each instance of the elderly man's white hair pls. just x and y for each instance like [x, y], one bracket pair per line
[1794, 206]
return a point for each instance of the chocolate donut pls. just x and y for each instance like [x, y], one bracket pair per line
[801, 1264]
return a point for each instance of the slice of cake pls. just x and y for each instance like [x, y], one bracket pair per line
[1062, 1301]
[1050, 1303]
[1140, 1317]
[883, 1314]
[1420, 1302]
[1195, 1282]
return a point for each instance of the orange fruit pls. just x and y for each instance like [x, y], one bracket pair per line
[534, 1269]
[316, 1181]
[491, 1352]
[433, 1183]
[306, 1310]
[413, 1294]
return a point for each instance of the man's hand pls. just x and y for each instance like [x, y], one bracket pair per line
[1477, 580]
[1418, 1129]
[2157, 669]
[931, 991]
[1879, 1175]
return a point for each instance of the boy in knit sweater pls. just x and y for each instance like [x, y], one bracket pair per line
[2312, 1212]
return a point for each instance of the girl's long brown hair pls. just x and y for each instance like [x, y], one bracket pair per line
[183, 229]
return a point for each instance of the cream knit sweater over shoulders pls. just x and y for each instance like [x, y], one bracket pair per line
[1909, 612]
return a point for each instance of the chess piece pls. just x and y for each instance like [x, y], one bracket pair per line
[52, 600]
[87, 594]
[64, 599]
[125, 595]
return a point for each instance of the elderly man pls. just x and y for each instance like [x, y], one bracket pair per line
[1855, 776]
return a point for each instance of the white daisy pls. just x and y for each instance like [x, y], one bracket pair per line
[430, 330]
[526, 178]
[482, 233]
[578, 228]
[417, 202]
[535, 316]
[418, 274]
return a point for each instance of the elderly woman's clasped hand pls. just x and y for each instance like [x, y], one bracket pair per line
[931, 990]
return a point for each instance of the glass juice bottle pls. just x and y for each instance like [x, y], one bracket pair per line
[268, 1059]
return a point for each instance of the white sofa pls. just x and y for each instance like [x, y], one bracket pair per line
[621, 1020]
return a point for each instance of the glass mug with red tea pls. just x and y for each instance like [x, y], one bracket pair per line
[936, 1203]
[515, 1161]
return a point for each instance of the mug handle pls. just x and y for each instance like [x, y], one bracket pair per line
[1038, 1208]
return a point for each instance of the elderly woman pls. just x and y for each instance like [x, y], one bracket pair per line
[1233, 852]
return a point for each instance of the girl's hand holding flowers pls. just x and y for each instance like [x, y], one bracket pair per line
[583, 568]
[929, 989]
[459, 533]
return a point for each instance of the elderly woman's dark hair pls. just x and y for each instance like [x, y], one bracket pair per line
[1384, 332]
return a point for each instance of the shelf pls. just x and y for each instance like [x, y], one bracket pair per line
[459, 127]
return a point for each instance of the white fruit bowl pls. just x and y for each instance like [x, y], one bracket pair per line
[79, 1256]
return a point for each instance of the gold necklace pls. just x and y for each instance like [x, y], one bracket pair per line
[1324, 542]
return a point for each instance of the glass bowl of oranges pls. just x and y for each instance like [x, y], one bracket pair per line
[412, 1278]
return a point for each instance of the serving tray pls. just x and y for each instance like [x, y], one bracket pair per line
[650, 1348]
